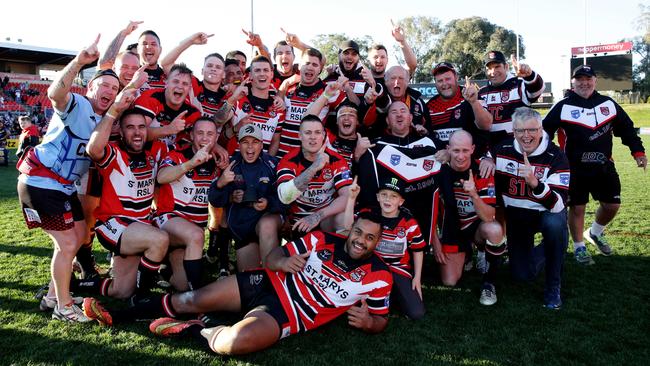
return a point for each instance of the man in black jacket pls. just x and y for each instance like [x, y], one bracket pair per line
[585, 121]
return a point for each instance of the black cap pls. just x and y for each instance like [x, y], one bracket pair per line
[443, 67]
[105, 72]
[349, 45]
[586, 70]
[494, 56]
[393, 184]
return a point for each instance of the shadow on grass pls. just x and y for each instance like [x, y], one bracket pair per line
[26, 250]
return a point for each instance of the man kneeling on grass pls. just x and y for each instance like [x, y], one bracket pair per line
[308, 283]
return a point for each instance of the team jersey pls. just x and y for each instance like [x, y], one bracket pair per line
[551, 168]
[502, 101]
[374, 119]
[279, 78]
[330, 282]
[260, 112]
[210, 100]
[485, 189]
[343, 147]
[154, 105]
[63, 149]
[450, 115]
[128, 180]
[297, 100]
[355, 79]
[157, 78]
[187, 196]
[321, 188]
[586, 127]
[399, 237]
[410, 159]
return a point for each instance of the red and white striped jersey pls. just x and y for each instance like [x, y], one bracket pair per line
[297, 100]
[210, 101]
[320, 190]
[260, 112]
[399, 237]
[128, 180]
[157, 79]
[187, 196]
[484, 188]
[330, 283]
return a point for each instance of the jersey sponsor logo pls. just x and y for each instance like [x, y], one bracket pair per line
[31, 215]
[357, 275]
[491, 192]
[256, 279]
[427, 164]
[345, 174]
[510, 168]
[395, 159]
[575, 113]
[246, 107]
[325, 282]
[67, 206]
[457, 114]
[264, 180]
[604, 111]
[324, 255]
[539, 172]
[505, 96]
[593, 157]
[564, 178]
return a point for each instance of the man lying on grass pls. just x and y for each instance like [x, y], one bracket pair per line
[308, 283]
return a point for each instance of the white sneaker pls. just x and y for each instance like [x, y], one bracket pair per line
[488, 295]
[70, 313]
[49, 303]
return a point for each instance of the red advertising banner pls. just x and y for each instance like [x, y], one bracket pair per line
[601, 48]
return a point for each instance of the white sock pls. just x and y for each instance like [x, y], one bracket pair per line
[597, 229]
[578, 244]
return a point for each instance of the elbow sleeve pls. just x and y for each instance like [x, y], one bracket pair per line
[288, 192]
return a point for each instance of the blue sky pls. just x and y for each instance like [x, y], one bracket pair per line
[549, 28]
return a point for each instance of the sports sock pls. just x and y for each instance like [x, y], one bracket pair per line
[147, 270]
[597, 229]
[98, 286]
[213, 249]
[578, 244]
[193, 272]
[149, 307]
[495, 262]
[86, 259]
[223, 243]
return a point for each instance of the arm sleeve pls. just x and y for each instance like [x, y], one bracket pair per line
[219, 197]
[367, 179]
[552, 193]
[551, 122]
[624, 128]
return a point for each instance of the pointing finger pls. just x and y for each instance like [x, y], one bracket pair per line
[526, 159]
[471, 176]
[467, 84]
[283, 31]
[514, 61]
[306, 255]
[354, 181]
[99, 35]
[245, 32]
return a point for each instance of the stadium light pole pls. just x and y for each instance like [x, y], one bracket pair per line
[252, 27]
[517, 31]
[584, 46]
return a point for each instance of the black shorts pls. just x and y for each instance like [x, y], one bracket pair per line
[601, 181]
[49, 209]
[109, 233]
[257, 293]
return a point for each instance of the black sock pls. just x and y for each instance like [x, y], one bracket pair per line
[195, 332]
[98, 286]
[150, 307]
[213, 249]
[86, 259]
[223, 243]
[495, 262]
[147, 271]
[194, 272]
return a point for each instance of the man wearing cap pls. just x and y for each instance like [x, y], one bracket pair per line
[455, 108]
[532, 182]
[246, 190]
[586, 121]
[359, 77]
[46, 184]
[506, 92]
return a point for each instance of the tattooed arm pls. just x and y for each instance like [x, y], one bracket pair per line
[108, 58]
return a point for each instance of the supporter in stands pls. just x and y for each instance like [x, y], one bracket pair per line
[29, 136]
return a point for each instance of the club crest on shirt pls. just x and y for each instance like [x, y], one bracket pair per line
[539, 172]
[401, 233]
[604, 111]
[394, 159]
[564, 178]
[327, 174]
[427, 164]
[357, 275]
[505, 96]
[246, 107]
[575, 113]
[457, 114]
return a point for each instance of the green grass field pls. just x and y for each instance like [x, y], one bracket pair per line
[605, 319]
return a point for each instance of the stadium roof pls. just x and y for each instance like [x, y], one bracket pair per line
[17, 52]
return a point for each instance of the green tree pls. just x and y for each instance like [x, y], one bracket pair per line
[422, 35]
[464, 43]
[328, 45]
[640, 81]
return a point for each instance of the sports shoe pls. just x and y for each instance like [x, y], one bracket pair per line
[552, 299]
[582, 256]
[223, 273]
[167, 327]
[70, 313]
[210, 258]
[482, 264]
[49, 303]
[42, 291]
[598, 241]
[94, 310]
[488, 295]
